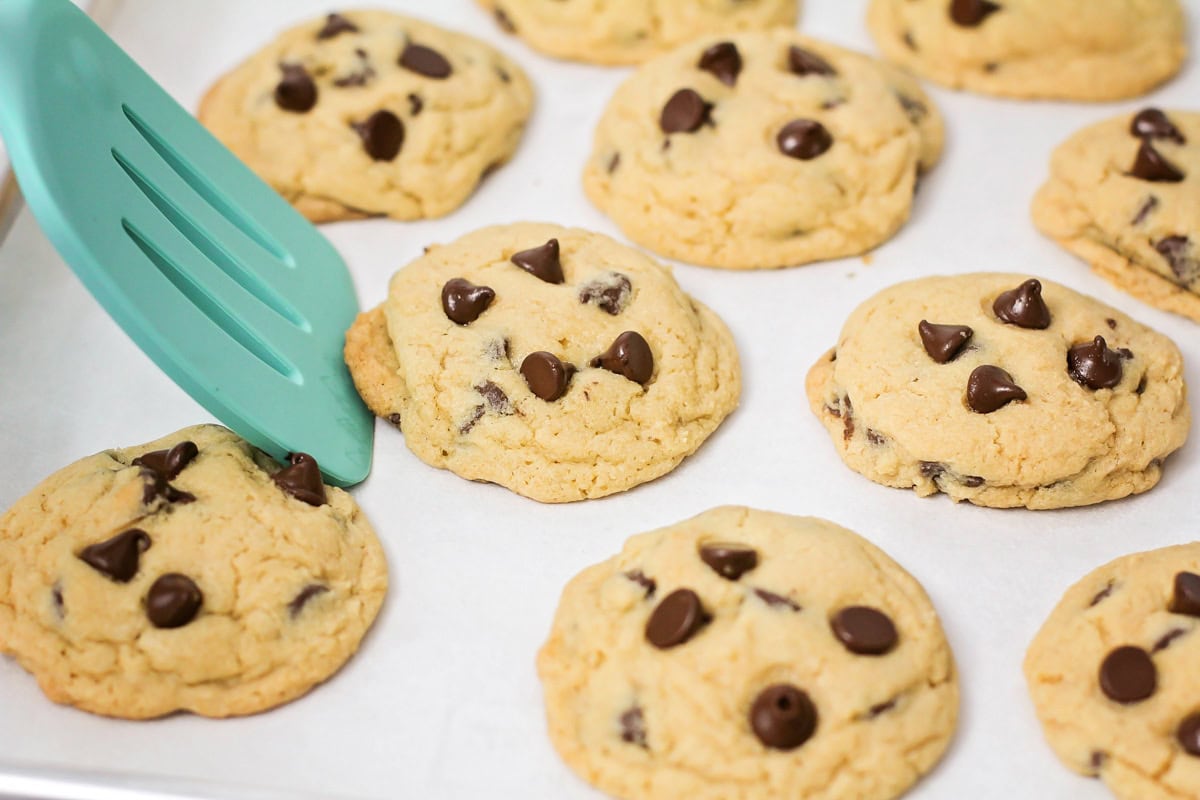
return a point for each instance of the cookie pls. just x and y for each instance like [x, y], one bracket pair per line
[762, 150]
[748, 654]
[1112, 674]
[368, 113]
[192, 573]
[1034, 48]
[631, 31]
[1124, 195]
[550, 360]
[1001, 390]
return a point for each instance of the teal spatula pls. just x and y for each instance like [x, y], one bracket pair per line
[227, 288]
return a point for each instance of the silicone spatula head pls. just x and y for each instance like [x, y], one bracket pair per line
[226, 287]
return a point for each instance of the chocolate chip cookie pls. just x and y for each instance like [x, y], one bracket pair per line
[1124, 195]
[631, 31]
[550, 360]
[762, 150]
[369, 113]
[192, 573]
[1113, 676]
[748, 654]
[1002, 390]
[1035, 48]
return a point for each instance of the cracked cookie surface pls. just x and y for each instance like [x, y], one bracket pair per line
[996, 391]
[1124, 195]
[748, 654]
[762, 150]
[553, 361]
[197, 577]
[1112, 674]
[1034, 48]
[369, 113]
[631, 31]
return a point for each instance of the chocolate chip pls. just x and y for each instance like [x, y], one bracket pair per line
[676, 619]
[1150, 165]
[173, 601]
[1176, 250]
[496, 399]
[804, 139]
[776, 600]
[613, 163]
[880, 708]
[722, 60]
[307, 593]
[847, 419]
[972, 481]
[504, 21]
[1143, 212]
[60, 608]
[639, 577]
[296, 90]
[932, 469]
[806, 62]
[1141, 387]
[943, 342]
[1188, 734]
[546, 375]
[169, 462]
[1023, 306]
[629, 356]
[335, 24]
[610, 292]
[1101, 595]
[633, 727]
[1097, 759]
[685, 112]
[875, 437]
[425, 61]
[502, 74]
[1186, 598]
[382, 135]
[1165, 640]
[909, 41]
[971, 13]
[415, 104]
[302, 480]
[469, 423]
[1094, 365]
[394, 419]
[1111, 323]
[990, 388]
[463, 301]
[1152, 123]
[783, 717]
[915, 109]
[117, 558]
[360, 77]
[730, 561]
[864, 630]
[1128, 675]
[542, 262]
[156, 487]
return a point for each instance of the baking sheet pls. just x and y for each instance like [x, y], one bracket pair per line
[442, 700]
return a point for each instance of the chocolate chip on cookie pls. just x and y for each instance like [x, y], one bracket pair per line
[336, 24]
[630, 356]
[117, 557]
[633, 727]
[542, 262]
[297, 603]
[382, 135]
[1128, 675]
[864, 630]
[805, 62]
[296, 90]
[972, 13]
[649, 585]
[609, 292]
[169, 462]
[685, 112]
[156, 487]
[1188, 734]
[463, 301]
[990, 388]
[722, 60]
[943, 343]
[302, 480]
[173, 601]
[1152, 123]
[776, 600]
[1023, 306]
[1177, 250]
[676, 619]
[783, 717]
[730, 561]
[1186, 596]
[546, 375]
[425, 61]
[804, 139]
[1150, 165]
[1094, 365]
